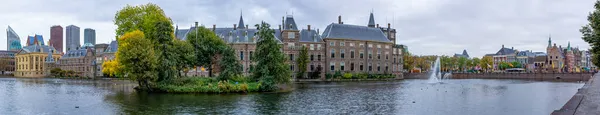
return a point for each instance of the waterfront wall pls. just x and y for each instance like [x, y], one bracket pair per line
[524, 76]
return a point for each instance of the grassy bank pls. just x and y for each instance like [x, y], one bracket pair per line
[206, 85]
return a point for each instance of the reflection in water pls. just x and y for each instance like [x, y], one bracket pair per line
[495, 97]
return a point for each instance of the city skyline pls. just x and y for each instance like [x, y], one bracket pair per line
[426, 27]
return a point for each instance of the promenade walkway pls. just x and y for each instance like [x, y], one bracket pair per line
[585, 102]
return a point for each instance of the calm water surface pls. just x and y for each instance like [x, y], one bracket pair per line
[412, 97]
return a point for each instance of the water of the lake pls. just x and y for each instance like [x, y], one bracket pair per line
[413, 97]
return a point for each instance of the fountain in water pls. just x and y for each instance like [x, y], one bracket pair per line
[435, 74]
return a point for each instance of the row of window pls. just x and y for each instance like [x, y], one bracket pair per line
[361, 54]
[34, 58]
[332, 43]
[360, 67]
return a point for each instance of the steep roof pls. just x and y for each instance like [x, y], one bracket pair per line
[354, 32]
[310, 36]
[371, 20]
[75, 53]
[290, 24]
[37, 48]
[505, 51]
[241, 23]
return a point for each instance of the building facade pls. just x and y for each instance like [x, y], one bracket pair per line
[504, 55]
[72, 37]
[104, 52]
[341, 47]
[56, 37]
[81, 61]
[13, 42]
[7, 62]
[89, 36]
[31, 60]
[555, 57]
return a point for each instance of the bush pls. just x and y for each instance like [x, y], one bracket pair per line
[348, 76]
[337, 74]
[240, 78]
[328, 76]
[206, 85]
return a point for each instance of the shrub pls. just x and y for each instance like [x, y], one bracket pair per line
[337, 74]
[348, 76]
[240, 78]
[328, 76]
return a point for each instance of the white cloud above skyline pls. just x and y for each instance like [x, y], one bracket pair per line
[427, 27]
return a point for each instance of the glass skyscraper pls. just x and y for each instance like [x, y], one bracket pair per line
[13, 40]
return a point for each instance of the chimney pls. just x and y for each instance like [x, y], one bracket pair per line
[389, 26]
[282, 22]
[214, 27]
[196, 24]
[279, 27]
[512, 48]
[377, 26]
[340, 19]
[318, 31]
[308, 27]
[246, 26]
[234, 26]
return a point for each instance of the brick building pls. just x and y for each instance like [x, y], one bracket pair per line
[56, 38]
[79, 60]
[342, 47]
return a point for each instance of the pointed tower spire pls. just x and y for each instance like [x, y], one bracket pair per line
[371, 20]
[569, 46]
[549, 40]
[241, 23]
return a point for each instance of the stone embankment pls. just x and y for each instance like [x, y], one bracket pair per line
[585, 102]
[524, 76]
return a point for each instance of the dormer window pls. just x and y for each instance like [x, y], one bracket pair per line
[291, 35]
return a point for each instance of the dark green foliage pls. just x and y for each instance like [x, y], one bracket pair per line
[208, 45]
[337, 74]
[271, 67]
[230, 65]
[302, 62]
[590, 33]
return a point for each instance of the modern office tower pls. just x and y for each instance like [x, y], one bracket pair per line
[73, 37]
[56, 37]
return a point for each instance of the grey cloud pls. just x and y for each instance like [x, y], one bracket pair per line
[428, 27]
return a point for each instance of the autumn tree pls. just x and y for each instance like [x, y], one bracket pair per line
[110, 68]
[137, 57]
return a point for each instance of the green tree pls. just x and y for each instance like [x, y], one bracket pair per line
[590, 33]
[462, 63]
[184, 55]
[302, 62]
[271, 67]
[229, 64]
[516, 64]
[486, 63]
[208, 45]
[409, 61]
[142, 17]
[136, 56]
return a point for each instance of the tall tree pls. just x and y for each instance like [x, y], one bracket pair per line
[591, 33]
[486, 63]
[136, 55]
[271, 67]
[110, 68]
[208, 45]
[184, 55]
[229, 64]
[142, 17]
[302, 62]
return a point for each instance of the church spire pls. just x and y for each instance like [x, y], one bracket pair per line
[241, 23]
[371, 20]
[549, 40]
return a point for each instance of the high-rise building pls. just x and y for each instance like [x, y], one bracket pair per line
[73, 37]
[89, 36]
[56, 37]
[13, 40]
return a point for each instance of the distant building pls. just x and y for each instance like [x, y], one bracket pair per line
[89, 36]
[56, 38]
[504, 55]
[13, 42]
[73, 37]
[31, 60]
[539, 61]
[526, 58]
[81, 61]
[7, 61]
[104, 52]
[569, 59]
[555, 57]
[464, 54]
[35, 40]
[341, 47]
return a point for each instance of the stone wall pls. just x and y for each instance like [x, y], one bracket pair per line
[524, 76]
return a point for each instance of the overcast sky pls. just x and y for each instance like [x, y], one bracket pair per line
[427, 27]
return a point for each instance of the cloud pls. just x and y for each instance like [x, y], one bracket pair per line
[427, 27]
